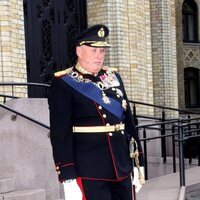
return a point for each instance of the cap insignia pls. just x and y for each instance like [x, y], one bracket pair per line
[101, 32]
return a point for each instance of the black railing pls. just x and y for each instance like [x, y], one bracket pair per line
[24, 116]
[145, 139]
[12, 96]
[13, 85]
[181, 139]
[177, 130]
[162, 107]
[162, 119]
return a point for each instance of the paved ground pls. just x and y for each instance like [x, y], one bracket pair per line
[156, 167]
[167, 187]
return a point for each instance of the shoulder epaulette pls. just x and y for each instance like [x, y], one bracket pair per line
[63, 72]
[109, 68]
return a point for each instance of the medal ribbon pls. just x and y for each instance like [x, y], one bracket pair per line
[94, 93]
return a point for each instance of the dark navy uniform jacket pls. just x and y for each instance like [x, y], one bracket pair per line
[95, 156]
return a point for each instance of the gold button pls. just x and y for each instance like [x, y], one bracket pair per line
[104, 116]
[58, 172]
[113, 89]
[100, 108]
[57, 168]
[118, 96]
[122, 132]
[110, 134]
[107, 124]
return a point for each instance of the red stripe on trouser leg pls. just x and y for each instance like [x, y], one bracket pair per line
[79, 182]
[134, 193]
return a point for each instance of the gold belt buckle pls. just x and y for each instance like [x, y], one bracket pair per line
[117, 127]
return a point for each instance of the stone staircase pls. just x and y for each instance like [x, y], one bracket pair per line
[9, 192]
[26, 162]
[193, 195]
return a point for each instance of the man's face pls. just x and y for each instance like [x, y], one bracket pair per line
[91, 58]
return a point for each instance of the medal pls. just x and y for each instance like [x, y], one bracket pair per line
[124, 104]
[105, 99]
[102, 87]
[110, 80]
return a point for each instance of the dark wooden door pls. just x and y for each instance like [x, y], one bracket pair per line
[50, 25]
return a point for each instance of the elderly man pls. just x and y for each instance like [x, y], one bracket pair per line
[91, 125]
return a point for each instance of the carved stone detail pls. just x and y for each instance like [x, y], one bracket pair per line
[191, 53]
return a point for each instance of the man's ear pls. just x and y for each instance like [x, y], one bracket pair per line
[78, 51]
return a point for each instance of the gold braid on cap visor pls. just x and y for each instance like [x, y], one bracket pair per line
[95, 43]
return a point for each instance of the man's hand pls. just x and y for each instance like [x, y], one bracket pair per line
[72, 190]
[138, 179]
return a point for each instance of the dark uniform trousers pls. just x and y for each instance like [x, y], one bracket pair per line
[101, 159]
[107, 190]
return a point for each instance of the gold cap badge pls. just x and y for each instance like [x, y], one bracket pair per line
[95, 36]
[101, 32]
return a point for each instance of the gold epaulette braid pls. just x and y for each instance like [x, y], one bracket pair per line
[63, 72]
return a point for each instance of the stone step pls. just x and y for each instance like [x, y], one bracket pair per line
[7, 185]
[34, 194]
[193, 195]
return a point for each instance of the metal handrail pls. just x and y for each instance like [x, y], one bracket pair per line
[164, 107]
[187, 138]
[149, 117]
[175, 124]
[24, 84]
[163, 119]
[186, 124]
[24, 116]
[12, 96]
[181, 139]
[12, 84]
[186, 120]
[8, 96]
[156, 124]
[158, 137]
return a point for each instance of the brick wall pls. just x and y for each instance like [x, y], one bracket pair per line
[12, 39]
[129, 24]
[163, 23]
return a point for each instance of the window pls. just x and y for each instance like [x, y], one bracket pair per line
[191, 76]
[190, 21]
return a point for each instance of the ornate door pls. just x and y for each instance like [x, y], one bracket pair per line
[50, 25]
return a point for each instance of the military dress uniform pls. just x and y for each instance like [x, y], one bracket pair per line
[90, 128]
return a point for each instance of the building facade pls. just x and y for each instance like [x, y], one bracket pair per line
[155, 47]
[12, 46]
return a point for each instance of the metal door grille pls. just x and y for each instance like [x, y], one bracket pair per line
[50, 26]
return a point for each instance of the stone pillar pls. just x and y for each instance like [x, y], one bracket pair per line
[164, 54]
[180, 68]
[12, 49]
[130, 37]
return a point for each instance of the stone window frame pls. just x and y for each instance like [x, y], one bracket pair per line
[192, 87]
[186, 25]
